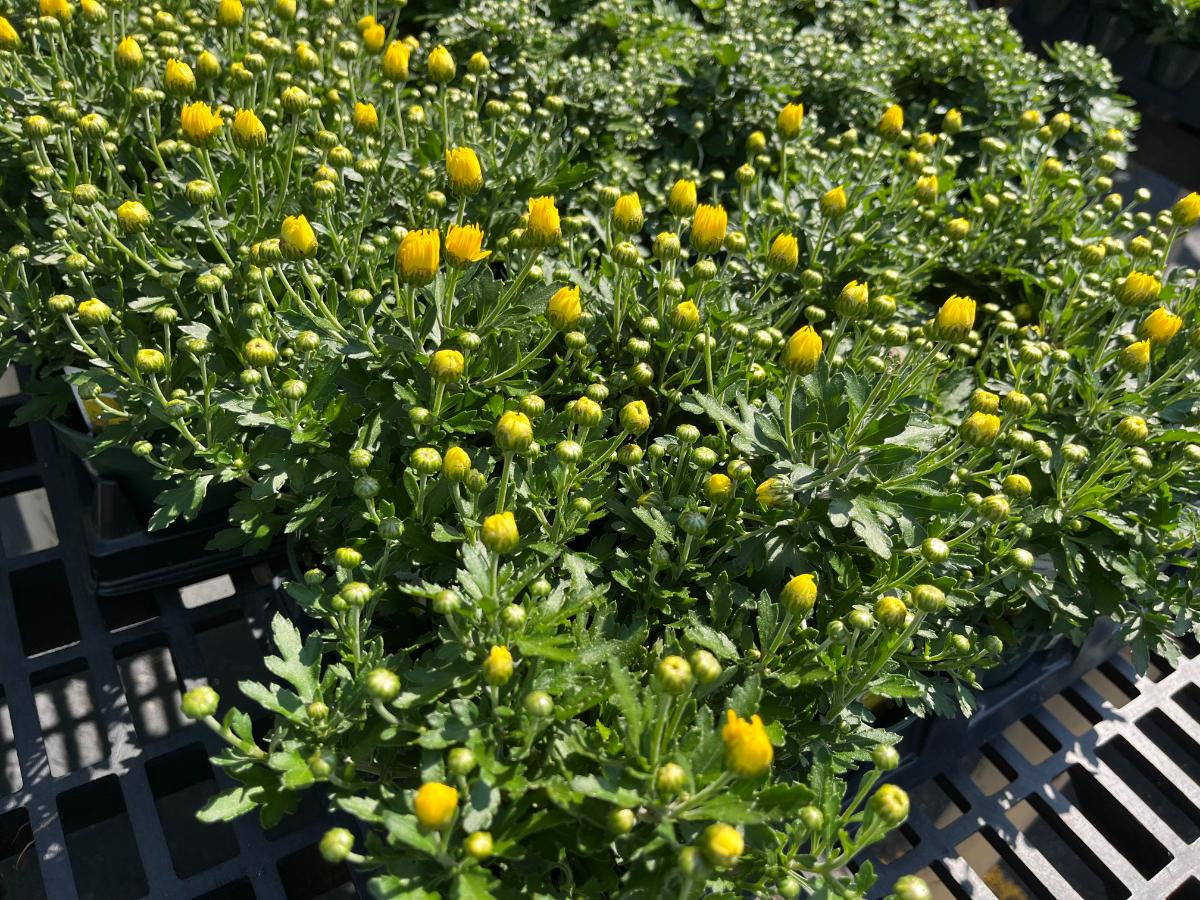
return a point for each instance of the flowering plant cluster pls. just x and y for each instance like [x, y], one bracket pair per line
[625, 520]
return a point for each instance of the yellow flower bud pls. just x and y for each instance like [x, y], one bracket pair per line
[373, 37]
[179, 80]
[708, 227]
[980, 429]
[499, 533]
[891, 123]
[464, 245]
[719, 488]
[800, 595]
[770, 493]
[418, 255]
[627, 213]
[297, 237]
[446, 366]
[464, 171]
[748, 750]
[456, 464]
[784, 254]
[1186, 211]
[833, 202]
[984, 401]
[395, 61]
[952, 122]
[435, 805]
[1138, 289]
[498, 667]
[955, 319]
[722, 845]
[366, 118]
[1135, 357]
[249, 133]
[133, 217]
[686, 316]
[802, 352]
[56, 9]
[129, 54]
[229, 13]
[682, 198]
[514, 432]
[441, 65]
[564, 308]
[790, 118]
[545, 227]
[926, 189]
[635, 417]
[854, 301]
[199, 123]
[1161, 326]
[10, 40]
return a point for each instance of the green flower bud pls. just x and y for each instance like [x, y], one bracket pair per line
[200, 702]
[383, 685]
[336, 845]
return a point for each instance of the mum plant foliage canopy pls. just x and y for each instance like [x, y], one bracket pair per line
[626, 513]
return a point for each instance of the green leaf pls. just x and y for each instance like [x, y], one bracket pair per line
[227, 805]
[402, 829]
[473, 884]
[182, 502]
[710, 639]
[866, 525]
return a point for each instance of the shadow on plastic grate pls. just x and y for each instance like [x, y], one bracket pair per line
[100, 774]
[1093, 794]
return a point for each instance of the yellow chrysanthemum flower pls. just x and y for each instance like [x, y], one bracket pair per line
[955, 319]
[178, 78]
[545, 226]
[418, 256]
[229, 13]
[56, 9]
[564, 308]
[708, 227]
[627, 213]
[833, 202]
[463, 170]
[1186, 211]
[395, 61]
[128, 55]
[373, 37]
[802, 351]
[682, 199]
[441, 65]
[464, 245]
[980, 429]
[748, 750]
[790, 118]
[1161, 326]
[199, 123]
[297, 238]
[9, 39]
[1138, 289]
[366, 118]
[249, 133]
[784, 253]
[891, 123]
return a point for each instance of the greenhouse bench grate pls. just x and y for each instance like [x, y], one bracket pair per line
[100, 773]
[1093, 793]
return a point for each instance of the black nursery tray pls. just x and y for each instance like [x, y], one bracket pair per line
[1079, 781]
[100, 774]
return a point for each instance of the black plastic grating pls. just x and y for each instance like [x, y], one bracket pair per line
[100, 774]
[1094, 793]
